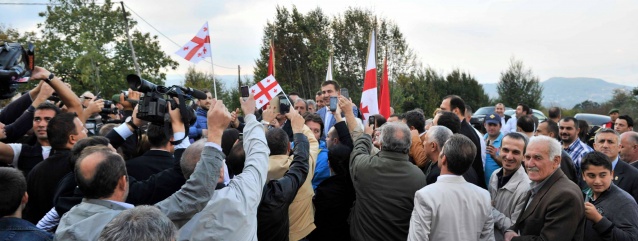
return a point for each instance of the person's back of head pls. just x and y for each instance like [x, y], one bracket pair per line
[338, 158]
[278, 142]
[98, 172]
[140, 223]
[191, 156]
[13, 189]
[64, 126]
[526, 123]
[415, 119]
[554, 113]
[525, 108]
[77, 149]
[380, 120]
[449, 120]
[157, 136]
[395, 137]
[230, 136]
[459, 152]
[106, 128]
[236, 159]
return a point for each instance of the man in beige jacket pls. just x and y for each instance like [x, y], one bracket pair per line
[509, 185]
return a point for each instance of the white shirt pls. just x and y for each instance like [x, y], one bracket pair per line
[510, 126]
[17, 149]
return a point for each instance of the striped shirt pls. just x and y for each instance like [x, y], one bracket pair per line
[576, 151]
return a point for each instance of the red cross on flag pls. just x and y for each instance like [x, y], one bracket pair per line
[198, 48]
[265, 90]
[369, 100]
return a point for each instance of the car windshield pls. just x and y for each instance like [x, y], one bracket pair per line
[484, 111]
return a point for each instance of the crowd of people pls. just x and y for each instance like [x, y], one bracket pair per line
[313, 173]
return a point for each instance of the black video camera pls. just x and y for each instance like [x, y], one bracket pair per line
[153, 105]
[16, 65]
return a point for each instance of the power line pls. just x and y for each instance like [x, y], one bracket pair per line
[169, 39]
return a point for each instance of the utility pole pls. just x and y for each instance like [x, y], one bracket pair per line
[238, 76]
[128, 36]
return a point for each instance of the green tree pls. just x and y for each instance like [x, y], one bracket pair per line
[519, 85]
[204, 82]
[85, 42]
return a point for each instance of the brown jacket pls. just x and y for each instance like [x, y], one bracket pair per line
[301, 211]
[555, 213]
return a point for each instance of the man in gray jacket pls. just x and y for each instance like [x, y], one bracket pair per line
[101, 176]
[509, 185]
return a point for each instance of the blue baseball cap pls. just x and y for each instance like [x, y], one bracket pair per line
[493, 118]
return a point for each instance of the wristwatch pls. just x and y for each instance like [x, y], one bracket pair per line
[48, 80]
[265, 122]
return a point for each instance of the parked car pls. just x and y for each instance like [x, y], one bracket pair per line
[537, 113]
[479, 116]
[593, 119]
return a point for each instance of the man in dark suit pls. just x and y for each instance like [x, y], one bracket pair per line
[158, 158]
[456, 105]
[607, 141]
[554, 209]
[328, 89]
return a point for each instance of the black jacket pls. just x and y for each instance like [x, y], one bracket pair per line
[272, 213]
[153, 161]
[18, 121]
[333, 199]
[626, 178]
[568, 168]
[477, 165]
[42, 183]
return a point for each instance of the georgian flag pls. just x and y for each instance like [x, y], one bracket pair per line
[265, 90]
[198, 48]
[369, 101]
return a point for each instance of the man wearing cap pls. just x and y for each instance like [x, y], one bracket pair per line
[493, 139]
[613, 113]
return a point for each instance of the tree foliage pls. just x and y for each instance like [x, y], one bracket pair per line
[204, 81]
[85, 42]
[519, 85]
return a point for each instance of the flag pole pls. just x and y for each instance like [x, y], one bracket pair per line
[213, 69]
[285, 95]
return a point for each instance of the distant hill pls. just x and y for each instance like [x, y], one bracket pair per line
[567, 92]
[230, 81]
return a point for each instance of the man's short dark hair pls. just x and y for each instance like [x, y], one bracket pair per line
[64, 126]
[552, 127]
[525, 108]
[595, 158]
[107, 173]
[380, 120]
[554, 112]
[79, 146]
[48, 106]
[526, 123]
[314, 117]
[571, 119]
[456, 102]
[468, 108]
[318, 93]
[460, 152]
[395, 115]
[13, 185]
[415, 119]
[339, 158]
[294, 93]
[157, 135]
[331, 82]
[630, 121]
[278, 141]
[518, 136]
[236, 159]
[449, 120]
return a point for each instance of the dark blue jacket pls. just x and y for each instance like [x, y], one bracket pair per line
[18, 229]
[195, 131]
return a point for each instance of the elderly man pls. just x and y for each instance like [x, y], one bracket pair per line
[385, 185]
[607, 141]
[629, 148]
[301, 106]
[140, 223]
[312, 106]
[452, 208]
[509, 185]
[554, 210]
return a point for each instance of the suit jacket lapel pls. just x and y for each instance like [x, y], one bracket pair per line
[618, 173]
[537, 198]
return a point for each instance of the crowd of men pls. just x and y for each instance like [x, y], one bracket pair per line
[310, 174]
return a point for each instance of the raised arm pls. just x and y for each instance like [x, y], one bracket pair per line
[67, 96]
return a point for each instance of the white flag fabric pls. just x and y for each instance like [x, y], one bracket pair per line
[369, 101]
[198, 48]
[265, 90]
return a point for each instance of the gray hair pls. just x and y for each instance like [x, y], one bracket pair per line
[606, 130]
[311, 102]
[555, 149]
[395, 137]
[302, 100]
[140, 223]
[191, 157]
[460, 152]
[439, 135]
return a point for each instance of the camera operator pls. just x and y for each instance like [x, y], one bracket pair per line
[24, 156]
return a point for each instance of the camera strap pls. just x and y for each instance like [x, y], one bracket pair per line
[182, 113]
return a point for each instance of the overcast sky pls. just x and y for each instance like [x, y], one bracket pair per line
[585, 38]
